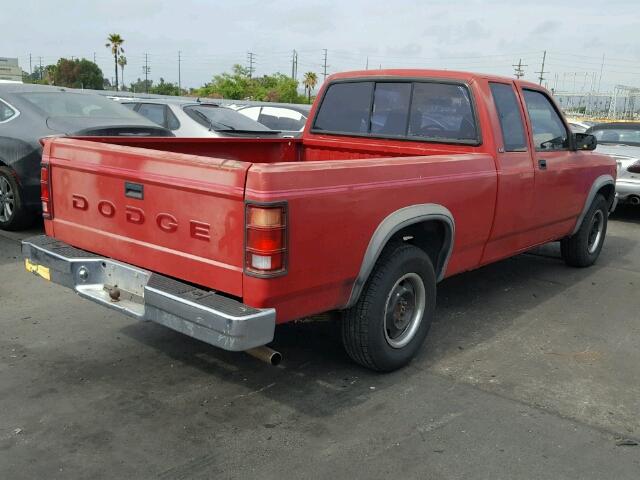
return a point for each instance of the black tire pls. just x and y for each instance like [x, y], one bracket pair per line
[365, 335]
[19, 217]
[581, 249]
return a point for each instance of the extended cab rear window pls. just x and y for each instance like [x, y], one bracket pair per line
[410, 110]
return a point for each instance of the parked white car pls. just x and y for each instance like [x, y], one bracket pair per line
[197, 119]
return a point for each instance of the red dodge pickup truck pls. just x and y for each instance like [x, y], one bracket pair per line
[401, 179]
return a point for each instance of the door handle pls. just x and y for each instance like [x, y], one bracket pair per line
[542, 164]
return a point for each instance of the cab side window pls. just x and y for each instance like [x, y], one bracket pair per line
[510, 118]
[345, 108]
[549, 132]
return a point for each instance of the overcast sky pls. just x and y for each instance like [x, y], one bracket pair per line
[485, 36]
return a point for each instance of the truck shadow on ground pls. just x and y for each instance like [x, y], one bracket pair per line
[317, 378]
[627, 213]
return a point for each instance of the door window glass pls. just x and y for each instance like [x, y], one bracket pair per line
[549, 132]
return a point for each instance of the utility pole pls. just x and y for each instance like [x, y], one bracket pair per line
[324, 66]
[146, 69]
[30, 72]
[94, 57]
[179, 79]
[250, 57]
[519, 72]
[366, 67]
[294, 65]
[542, 72]
[41, 76]
[601, 69]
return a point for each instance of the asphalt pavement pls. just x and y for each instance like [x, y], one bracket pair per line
[531, 371]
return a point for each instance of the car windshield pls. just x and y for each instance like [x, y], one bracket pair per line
[67, 104]
[223, 119]
[626, 136]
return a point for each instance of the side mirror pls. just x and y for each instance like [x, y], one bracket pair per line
[584, 141]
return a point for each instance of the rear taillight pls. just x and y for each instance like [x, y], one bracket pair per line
[45, 191]
[634, 167]
[266, 240]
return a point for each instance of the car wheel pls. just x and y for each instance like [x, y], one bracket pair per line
[13, 215]
[385, 328]
[583, 248]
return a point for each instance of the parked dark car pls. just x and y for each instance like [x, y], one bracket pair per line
[31, 112]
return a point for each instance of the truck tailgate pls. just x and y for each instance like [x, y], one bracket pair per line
[179, 215]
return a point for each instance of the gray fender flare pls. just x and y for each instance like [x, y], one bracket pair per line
[393, 223]
[598, 183]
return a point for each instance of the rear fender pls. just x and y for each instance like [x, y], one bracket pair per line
[395, 222]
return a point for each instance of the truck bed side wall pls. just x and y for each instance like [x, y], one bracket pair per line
[335, 206]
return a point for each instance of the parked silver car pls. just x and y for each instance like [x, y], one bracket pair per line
[621, 140]
[197, 119]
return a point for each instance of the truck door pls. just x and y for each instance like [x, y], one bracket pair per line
[557, 200]
[516, 177]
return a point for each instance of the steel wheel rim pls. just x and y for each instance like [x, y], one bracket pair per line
[404, 309]
[595, 231]
[7, 200]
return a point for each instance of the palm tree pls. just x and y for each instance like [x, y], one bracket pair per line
[310, 82]
[122, 61]
[114, 42]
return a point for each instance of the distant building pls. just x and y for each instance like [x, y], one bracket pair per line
[10, 69]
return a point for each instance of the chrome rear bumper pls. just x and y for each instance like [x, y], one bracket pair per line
[208, 316]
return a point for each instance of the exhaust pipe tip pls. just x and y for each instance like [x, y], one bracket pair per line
[266, 354]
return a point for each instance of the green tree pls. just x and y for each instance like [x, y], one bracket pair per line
[310, 81]
[122, 61]
[141, 85]
[237, 85]
[37, 76]
[165, 88]
[76, 74]
[114, 43]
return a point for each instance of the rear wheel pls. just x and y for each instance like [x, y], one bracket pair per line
[387, 326]
[13, 215]
[583, 248]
